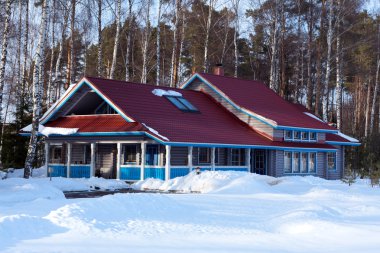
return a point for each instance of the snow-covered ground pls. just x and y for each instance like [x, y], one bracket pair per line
[235, 212]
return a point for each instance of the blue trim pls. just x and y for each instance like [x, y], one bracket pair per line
[279, 127]
[179, 172]
[245, 169]
[130, 173]
[88, 83]
[58, 170]
[80, 171]
[344, 143]
[154, 173]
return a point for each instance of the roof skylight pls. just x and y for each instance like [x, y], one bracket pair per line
[182, 104]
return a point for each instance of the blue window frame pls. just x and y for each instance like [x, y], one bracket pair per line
[182, 104]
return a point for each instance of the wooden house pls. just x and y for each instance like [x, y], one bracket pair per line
[131, 131]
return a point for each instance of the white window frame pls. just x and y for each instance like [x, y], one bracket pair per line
[334, 154]
[300, 163]
[301, 138]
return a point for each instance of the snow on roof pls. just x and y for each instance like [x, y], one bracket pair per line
[160, 93]
[155, 132]
[51, 130]
[351, 139]
[313, 116]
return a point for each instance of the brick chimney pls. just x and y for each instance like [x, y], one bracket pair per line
[218, 70]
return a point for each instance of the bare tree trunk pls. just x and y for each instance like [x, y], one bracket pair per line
[145, 44]
[298, 67]
[158, 42]
[129, 35]
[207, 37]
[283, 89]
[318, 62]
[70, 61]
[24, 67]
[49, 87]
[236, 51]
[100, 40]
[3, 61]
[117, 39]
[181, 47]
[309, 87]
[376, 89]
[328, 66]
[367, 109]
[273, 78]
[339, 79]
[173, 69]
[37, 91]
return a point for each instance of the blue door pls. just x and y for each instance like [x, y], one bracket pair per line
[151, 157]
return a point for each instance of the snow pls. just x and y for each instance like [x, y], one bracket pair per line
[154, 131]
[313, 116]
[351, 139]
[47, 131]
[236, 212]
[161, 92]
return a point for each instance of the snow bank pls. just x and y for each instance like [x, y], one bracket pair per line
[231, 182]
[160, 93]
[47, 131]
[154, 131]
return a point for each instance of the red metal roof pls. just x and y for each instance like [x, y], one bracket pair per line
[336, 138]
[213, 124]
[258, 98]
[96, 123]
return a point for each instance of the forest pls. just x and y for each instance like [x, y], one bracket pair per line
[323, 54]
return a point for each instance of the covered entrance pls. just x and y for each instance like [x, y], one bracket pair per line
[106, 157]
[259, 161]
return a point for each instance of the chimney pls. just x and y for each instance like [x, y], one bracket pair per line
[218, 70]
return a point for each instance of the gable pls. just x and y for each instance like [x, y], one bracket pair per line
[82, 99]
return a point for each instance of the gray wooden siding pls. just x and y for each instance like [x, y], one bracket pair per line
[178, 156]
[321, 164]
[256, 124]
[279, 163]
[106, 160]
[278, 133]
[321, 137]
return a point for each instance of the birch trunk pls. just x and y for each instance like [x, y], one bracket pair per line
[146, 36]
[328, 66]
[50, 82]
[207, 37]
[367, 109]
[273, 78]
[318, 90]
[158, 42]
[129, 35]
[100, 40]
[117, 39]
[297, 71]
[23, 71]
[376, 89]
[339, 79]
[70, 61]
[37, 91]
[309, 86]
[173, 69]
[236, 51]
[181, 48]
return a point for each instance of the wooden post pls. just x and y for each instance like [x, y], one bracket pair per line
[142, 162]
[248, 159]
[167, 165]
[190, 158]
[68, 159]
[47, 157]
[118, 160]
[212, 159]
[92, 166]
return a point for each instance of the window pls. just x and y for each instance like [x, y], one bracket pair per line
[104, 108]
[297, 135]
[304, 162]
[288, 162]
[151, 155]
[305, 136]
[296, 162]
[204, 155]
[237, 157]
[182, 104]
[288, 135]
[331, 160]
[312, 163]
[313, 136]
[56, 154]
[130, 156]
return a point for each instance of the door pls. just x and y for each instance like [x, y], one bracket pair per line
[151, 155]
[259, 162]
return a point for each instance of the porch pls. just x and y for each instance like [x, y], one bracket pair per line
[133, 161]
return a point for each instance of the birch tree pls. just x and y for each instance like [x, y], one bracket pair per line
[273, 76]
[158, 48]
[236, 50]
[207, 34]
[3, 61]
[100, 41]
[129, 40]
[309, 85]
[328, 62]
[174, 65]
[145, 43]
[117, 39]
[339, 79]
[37, 90]
[70, 55]
[51, 72]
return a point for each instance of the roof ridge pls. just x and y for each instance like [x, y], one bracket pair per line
[235, 78]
